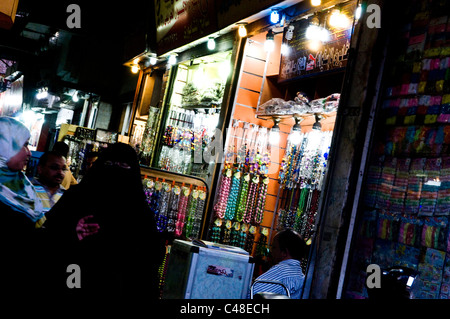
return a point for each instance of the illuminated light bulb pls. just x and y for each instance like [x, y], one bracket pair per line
[75, 97]
[242, 31]
[275, 16]
[153, 60]
[316, 3]
[211, 44]
[338, 19]
[135, 69]
[274, 135]
[136, 61]
[269, 44]
[172, 59]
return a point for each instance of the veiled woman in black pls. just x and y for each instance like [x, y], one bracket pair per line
[104, 226]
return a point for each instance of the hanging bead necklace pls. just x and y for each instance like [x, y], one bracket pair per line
[182, 206]
[233, 197]
[224, 192]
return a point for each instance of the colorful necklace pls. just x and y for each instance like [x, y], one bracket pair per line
[233, 197]
[182, 206]
[224, 192]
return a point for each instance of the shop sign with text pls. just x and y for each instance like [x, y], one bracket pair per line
[179, 22]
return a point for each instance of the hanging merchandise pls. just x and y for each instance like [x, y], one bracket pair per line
[149, 136]
[178, 209]
[240, 204]
[407, 184]
[301, 177]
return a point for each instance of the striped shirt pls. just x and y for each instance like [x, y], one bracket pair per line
[47, 199]
[287, 272]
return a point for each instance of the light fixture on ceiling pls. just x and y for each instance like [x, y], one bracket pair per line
[75, 97]
[275, 16]
[316, 3]
[153, 59]
[211, 44]
[135, 69]
[338, 19]
[317, 125]
[274, 135]
[172, 60]
[242, 30]
[269, 44]
[295, 137]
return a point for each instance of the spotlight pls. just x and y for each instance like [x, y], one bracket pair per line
[338, 19]
[269, 44]
[211, 44]
[172, 59]
[75, 97]
[153, 60]
[242, 31]
[295, 137]
[135, 69]
[316, 3]
[275, 16]
[274, 135]
[317, 125]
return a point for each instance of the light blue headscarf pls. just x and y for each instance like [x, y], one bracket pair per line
[16, 190]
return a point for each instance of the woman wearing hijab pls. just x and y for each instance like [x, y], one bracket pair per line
[21, 211]
[118, 252]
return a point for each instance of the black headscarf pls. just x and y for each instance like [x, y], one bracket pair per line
[127, 245]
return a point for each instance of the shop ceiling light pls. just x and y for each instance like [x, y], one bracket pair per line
[211, 44]
[316, 3]
[134, 69]
[269, 44]
[75, 97]
[275, 16]
[153, 60]
[274, 135]
[317, 125]
[242, 30]
[317, 32]
[338, 19]
[295, 137]
[172, 59]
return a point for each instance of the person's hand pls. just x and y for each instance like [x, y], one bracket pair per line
[86, 229]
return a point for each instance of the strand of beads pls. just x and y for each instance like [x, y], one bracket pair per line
[198, 213]
[232, 198]
[251, 201]
[182, 206]
[173, 209]
[261, 203]
[192, 207]
[224, 192]
[241, 209]
[216, 230]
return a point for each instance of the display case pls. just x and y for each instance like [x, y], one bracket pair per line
[204, 270]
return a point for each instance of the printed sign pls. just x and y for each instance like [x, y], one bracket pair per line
[220, 271]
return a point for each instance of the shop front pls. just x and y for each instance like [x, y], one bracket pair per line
[238, 134]
[401, 220]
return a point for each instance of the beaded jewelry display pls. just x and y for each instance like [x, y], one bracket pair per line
[224, 192]
[261, 202]
[251, 201]
[242, 206]
[233, 197]
[191, 210]
[182, 206]
[216, 231]
[173, 208]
